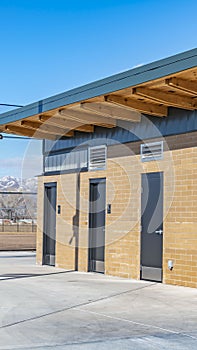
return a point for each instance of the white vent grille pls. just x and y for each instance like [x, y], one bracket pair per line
[97, 158]
[151, 151]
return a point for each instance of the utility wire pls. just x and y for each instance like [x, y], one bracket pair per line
[8, 105]
[17, 137]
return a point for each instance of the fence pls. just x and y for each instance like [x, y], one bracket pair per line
[16, 227]
[18, 220]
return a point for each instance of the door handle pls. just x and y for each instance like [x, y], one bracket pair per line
[159, 232]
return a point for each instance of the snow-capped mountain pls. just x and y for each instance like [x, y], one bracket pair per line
[11, 183]
[21, 206]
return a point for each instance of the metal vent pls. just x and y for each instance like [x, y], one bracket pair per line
[151, 151]
[97, 158]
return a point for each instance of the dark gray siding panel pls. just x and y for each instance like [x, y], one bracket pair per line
[178, 122]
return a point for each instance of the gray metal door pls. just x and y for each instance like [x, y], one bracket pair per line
[49, 236]
[152, 226]
[97, 225]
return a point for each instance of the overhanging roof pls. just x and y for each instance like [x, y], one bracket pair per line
[148, 89]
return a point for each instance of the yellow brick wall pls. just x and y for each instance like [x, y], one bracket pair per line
[40, 217]
[180, 225]
[123, 191]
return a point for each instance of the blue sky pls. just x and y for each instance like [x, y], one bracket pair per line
[50, 46]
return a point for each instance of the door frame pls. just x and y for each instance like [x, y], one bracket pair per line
[94, 181]
[47, 185]
[162, 177]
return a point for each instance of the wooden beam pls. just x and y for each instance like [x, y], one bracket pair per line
[167, 98]
[66, 123]
[182, 85]
[113, 111]
[54, 130]
[143, 107]
[17, 130]
[87, 117]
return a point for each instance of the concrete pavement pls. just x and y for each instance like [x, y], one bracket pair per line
[42, 307]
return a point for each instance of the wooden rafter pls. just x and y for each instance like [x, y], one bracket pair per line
[86, 117]
[27, 132]
[104, 105]
[143, 107]
[54, 130]
[182, 85]
[109, 109]
[66, 123]
[166, 98]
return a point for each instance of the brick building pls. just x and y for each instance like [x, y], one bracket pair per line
[118, 193]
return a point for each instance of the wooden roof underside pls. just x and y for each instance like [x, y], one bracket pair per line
[152, 98]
